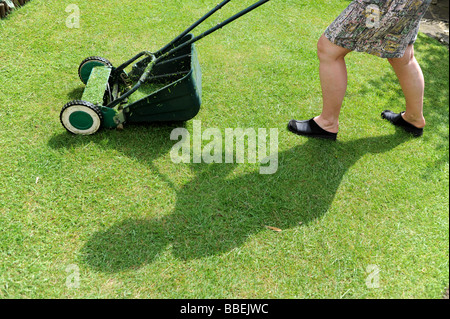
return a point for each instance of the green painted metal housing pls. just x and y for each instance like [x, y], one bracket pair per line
[81, 120]
[109, 117]
[180, 100]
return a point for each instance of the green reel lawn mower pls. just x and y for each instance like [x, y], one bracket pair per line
[164, 86]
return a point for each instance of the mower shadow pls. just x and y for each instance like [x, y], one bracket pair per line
[215, 213]
[76, 93]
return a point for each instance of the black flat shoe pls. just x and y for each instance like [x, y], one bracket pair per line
[397, 120]
[310, 129]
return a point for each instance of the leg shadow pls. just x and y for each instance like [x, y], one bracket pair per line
[216, 213]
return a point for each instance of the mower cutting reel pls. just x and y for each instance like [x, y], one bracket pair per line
[162, 86]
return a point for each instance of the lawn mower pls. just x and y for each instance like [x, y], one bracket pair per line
[164, 86]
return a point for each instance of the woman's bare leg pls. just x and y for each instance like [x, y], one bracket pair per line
[412, 82]
[333, 79]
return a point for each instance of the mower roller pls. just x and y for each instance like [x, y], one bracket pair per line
[164, 86]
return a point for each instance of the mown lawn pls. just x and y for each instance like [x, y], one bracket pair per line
[116, 212]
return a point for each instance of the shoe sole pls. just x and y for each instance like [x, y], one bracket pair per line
[332, 138]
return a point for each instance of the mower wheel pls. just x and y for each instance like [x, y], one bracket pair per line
[81, 117]
[85, 69]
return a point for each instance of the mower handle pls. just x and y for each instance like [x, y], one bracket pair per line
[160, 55]
[192, 27]
[120, 68]
[141, 80]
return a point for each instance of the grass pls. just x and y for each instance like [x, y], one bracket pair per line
[137, 225]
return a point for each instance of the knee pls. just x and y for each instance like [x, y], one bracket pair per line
[323, 51]
[327, 51]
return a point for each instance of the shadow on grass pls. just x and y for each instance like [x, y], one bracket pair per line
[433, 58]
[434, 61]
[215, 213]
[76, 93]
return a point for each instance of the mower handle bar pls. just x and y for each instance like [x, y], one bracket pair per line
[160, 55]
[192, 27]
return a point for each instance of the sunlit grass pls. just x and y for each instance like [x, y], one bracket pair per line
[138, 225]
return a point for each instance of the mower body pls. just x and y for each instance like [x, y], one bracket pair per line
[170, 93]
[179, 98]
[164, 86]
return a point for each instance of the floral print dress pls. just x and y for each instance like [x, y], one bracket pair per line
[383, 28]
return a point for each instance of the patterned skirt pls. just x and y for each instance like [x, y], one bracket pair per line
[383, 28]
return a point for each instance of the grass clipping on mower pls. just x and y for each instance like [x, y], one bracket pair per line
[96, 86]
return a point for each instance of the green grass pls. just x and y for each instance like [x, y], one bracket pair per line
[138, 225]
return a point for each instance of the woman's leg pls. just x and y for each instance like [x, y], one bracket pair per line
[333, 79]
[412, 82]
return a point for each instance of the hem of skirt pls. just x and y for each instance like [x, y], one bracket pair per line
[382, 55]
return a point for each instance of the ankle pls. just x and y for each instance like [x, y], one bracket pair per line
[416, 120]
[331, 126]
